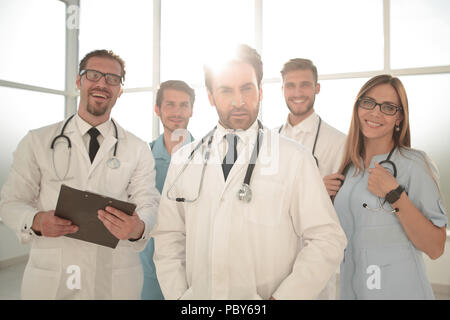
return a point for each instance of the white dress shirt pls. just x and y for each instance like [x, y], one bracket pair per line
[330, 142]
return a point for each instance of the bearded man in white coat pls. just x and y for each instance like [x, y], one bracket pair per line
[65, 268]
[218, 239]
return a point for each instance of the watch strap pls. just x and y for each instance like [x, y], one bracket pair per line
[395, 194]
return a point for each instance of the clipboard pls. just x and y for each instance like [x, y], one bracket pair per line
[81, 208]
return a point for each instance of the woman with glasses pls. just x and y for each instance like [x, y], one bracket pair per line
[389, 205]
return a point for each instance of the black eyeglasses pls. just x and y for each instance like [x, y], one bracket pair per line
[385, 107]
[110, 78]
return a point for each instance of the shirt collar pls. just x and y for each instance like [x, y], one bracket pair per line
[244, 135]
[307, 125]
[84, 127]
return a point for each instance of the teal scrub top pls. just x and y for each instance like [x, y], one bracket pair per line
[151, 289]
[380, 262]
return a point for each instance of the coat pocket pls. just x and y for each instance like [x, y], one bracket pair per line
[117, 180]
[42, 275]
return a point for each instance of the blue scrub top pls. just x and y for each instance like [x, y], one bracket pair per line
[380, 262]
[151, 289]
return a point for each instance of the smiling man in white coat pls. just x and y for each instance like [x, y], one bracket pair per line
[304, 125]
[95, 154]
[236, 204]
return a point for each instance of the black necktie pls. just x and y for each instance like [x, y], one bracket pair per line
[93, 143]
[231, 156]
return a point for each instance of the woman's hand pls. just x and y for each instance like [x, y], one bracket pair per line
[381, 181]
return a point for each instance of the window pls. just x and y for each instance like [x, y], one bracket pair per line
[32, 42]
[335, 101]
[420, 30]
[124, 27]
[191, 30]
[134, 112]
[428, 100]
[21, 112]
[274, 110]
[338, 36]
[204, 116]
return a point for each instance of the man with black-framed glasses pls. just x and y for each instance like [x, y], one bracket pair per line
[87, 151]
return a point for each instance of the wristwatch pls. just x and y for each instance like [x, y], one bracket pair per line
[394, 195]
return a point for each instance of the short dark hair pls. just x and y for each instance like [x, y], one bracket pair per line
[245, 54]
[299, 64]
[175, 85]
[104, 54]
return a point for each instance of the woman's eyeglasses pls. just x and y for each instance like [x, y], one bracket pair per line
[385, 107]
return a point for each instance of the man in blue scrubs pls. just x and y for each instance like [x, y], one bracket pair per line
[174, 104]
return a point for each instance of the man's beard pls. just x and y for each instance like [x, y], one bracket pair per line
[226, 116]
[302, 113]
[97, 111]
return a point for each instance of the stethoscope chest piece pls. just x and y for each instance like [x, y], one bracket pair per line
[245, 193]
[113, 163]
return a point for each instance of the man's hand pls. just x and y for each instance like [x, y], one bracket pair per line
[46, 223]
[121, 225]
[333, 183]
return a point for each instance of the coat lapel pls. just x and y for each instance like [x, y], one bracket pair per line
[237, 172]
[77, 141]
[106, 151]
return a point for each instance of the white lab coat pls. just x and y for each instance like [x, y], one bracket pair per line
[32, 186]
[330, 142]
[219, 247]
[329, 152]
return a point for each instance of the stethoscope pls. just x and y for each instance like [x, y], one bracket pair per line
[112, 163]
[315, 140]
[244, 192]
[394, 173]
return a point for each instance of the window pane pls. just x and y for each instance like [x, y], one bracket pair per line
[22, 111]
[420, 33]
[126, 27]
[274, 110]
[335, 101]
[32, 37]
[134, 111]
[429, 98]
[204, 117]
[338, 36]
[191, 29]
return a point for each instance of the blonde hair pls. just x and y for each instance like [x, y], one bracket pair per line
[354, 146]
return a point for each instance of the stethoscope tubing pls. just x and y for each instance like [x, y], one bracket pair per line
[315, 140]
[62, 135]
[210, 135]
[69, 145]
